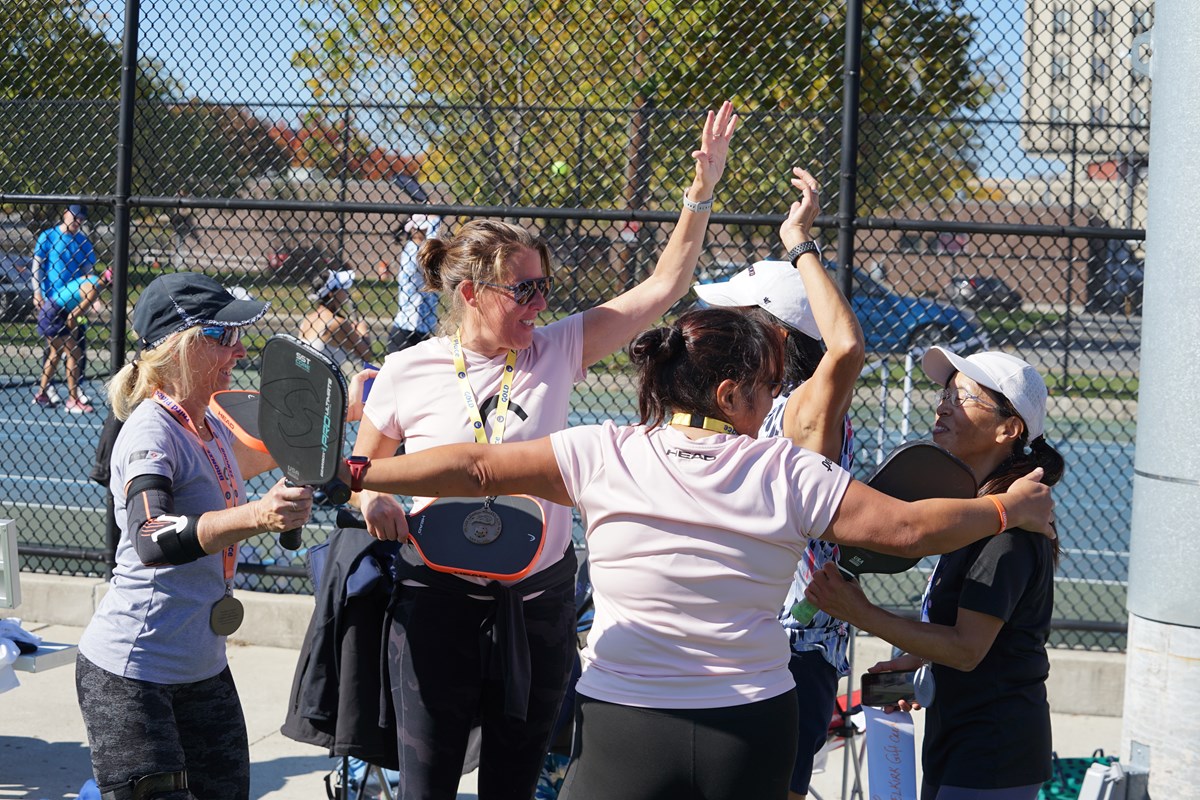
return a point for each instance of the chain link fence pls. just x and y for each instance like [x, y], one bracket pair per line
[982, 165]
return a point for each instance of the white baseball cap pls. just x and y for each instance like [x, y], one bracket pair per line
[422, 222]
[774, 286]
[1000, 372]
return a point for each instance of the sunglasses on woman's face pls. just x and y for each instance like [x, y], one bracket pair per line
[524, 292]
[226, 336]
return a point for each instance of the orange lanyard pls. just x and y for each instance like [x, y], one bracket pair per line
[225, 475]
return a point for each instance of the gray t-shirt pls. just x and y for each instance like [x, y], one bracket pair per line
[153, 624]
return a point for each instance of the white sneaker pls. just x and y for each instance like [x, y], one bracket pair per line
[83, 398]
[52, 393]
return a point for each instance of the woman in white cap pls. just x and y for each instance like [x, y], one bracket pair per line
[498, 655]
[981, 643]
[824, 351]
[328, 328]
[162, 713]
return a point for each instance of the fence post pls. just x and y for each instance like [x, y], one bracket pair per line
[123, 189]
[848, 190]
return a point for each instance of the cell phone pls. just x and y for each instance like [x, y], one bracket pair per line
[886, 688]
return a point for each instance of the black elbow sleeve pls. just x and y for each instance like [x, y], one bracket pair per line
[159, 536]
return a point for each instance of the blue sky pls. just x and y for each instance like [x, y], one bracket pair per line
[238, 58]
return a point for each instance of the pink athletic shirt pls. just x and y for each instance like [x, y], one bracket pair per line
[692, 547]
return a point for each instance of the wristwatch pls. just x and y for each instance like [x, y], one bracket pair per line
[801, 249]
[358, 466]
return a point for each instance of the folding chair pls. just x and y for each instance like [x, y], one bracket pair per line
[842, 732]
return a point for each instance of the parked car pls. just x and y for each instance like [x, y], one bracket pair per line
[896, 323]
[892, 322]
[16, 286]
[982, 291]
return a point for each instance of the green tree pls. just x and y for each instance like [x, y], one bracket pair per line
[60, 71]
[510, 92]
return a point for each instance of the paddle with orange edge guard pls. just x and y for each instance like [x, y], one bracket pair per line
[917, 470]
[498, 538]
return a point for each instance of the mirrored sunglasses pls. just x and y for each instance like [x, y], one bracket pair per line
[226, 336]
[524, 292]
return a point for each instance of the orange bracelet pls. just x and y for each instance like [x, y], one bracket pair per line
[1002, 512]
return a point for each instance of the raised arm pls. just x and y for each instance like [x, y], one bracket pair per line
[472, 470]
[610, 326]
[871, 519]
[813, 417]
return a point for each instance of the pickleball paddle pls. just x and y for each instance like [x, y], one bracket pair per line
[301, 414]
[916, 470]
[499, 538]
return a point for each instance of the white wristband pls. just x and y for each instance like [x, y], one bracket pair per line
[693, 206]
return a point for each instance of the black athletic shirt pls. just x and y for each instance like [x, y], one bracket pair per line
[990, 728]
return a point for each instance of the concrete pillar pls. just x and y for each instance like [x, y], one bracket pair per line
[1162, 686]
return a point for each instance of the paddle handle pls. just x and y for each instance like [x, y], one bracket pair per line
[290, 540]
[803, 611]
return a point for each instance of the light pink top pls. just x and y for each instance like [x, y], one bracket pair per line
[417, 398]
[692, 547]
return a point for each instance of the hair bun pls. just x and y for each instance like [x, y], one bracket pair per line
[656, 346]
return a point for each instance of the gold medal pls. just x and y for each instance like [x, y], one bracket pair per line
[226, 616]
[482, 526]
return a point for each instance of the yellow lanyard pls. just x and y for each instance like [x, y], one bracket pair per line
[460, 369]
[225, 477]
[697, 421]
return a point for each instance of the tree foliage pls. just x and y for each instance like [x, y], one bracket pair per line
[541, 101]
[60, 69]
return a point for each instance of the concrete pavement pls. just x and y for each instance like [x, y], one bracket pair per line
[43, 747]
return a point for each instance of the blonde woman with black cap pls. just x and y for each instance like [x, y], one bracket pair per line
[980, 646]
[162, 713]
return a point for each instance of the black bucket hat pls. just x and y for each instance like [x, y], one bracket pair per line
[182, 300]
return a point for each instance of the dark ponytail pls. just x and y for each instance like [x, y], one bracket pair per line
[679, 367]
[1020, 463]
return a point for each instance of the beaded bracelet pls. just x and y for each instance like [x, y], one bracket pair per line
[692, 205]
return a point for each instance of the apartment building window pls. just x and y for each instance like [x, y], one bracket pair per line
[1100, 69]
[1142, 20]
[1101, 20]
[1060, 67]
[1062, 20]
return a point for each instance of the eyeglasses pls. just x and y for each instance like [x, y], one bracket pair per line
[523, 292]
[957, 397]
[226, 336]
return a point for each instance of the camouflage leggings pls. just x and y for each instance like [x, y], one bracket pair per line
[140, 728]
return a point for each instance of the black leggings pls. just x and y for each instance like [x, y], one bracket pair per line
[730, 753]
[138, 728]
[437, 659]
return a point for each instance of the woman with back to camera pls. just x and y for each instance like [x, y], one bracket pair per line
[496, 376]
[694, 529]
[162, 713]
[986, 613]
[824, 354]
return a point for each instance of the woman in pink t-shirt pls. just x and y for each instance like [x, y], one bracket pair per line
[694, 528]
[498, 654]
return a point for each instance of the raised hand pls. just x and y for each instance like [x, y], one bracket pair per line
[714, 149]
[797, 227]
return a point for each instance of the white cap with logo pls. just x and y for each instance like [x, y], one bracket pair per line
[774, 286]
[1000, 372]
